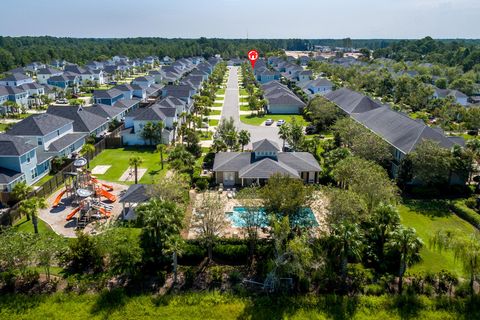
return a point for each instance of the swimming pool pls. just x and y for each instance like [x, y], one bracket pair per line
[238, 216]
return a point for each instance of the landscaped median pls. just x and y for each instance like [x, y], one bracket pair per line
[257, 120]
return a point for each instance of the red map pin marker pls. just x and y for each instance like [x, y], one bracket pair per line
[253, 56]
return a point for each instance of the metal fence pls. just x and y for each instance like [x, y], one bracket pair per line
[9, 217]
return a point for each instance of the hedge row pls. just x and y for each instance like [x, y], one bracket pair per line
[466, 213]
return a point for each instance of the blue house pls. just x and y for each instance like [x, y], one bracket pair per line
[108, 97]
[19, 162]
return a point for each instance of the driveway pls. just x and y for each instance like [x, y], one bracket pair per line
[231, 109]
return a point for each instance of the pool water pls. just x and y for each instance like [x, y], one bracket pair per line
[237, 217]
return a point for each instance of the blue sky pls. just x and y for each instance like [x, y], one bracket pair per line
[234, 18]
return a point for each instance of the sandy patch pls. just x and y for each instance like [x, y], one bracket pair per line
[100, 169]
[129, 174]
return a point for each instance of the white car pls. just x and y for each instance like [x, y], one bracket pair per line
[280, 122]
[269, 122]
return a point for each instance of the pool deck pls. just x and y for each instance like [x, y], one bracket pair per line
[318, 207]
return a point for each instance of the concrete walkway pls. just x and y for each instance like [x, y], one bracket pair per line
[231, 109]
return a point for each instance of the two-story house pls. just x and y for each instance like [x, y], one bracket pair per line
[136, 121]
[46, 73]
[16, 79]
[109, 97]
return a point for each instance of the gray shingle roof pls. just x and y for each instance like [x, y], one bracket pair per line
[65, 141]
[13, 146]
[7, 176]
[83, 119]
[15, 77]
[136, 193]
[38, 125]
[107, 94]
[48, 71]
[105, 111]
[399, 130]
[351, 101]
[265, 168]
[265, 145]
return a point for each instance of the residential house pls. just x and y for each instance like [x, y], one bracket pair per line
[85, 120]
[281, 100]
[53, 135]
[136, 121]
[34, 91]
[46, 73]
[318, 86]
[458, 96]
[145, 81]
[15, 79]
[18, 162]
[17, 95]
[109, 97]
[401, 132]
[132, 90]
[266, 159]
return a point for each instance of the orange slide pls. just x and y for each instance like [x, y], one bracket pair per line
[109, 187]
[58, 198]
[107, 195]
[71, 214]
[104, 212]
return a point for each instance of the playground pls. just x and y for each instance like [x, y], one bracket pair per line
[83, 203]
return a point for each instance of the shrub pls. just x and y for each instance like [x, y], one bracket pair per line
[235, 277]
[465, 213]
[202, 183]
[193, 254]
[471, 202]
[231, 253]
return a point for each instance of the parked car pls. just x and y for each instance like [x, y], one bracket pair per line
[280, 122]
[269, 122]
[62, 101]
[311, 129]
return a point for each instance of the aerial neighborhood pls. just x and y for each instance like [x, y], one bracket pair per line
[317, 169]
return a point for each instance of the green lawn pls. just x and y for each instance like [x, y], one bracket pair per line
[119, 158]
[214, 112]
[116, 304]
[205, 135]
[243, 92]
[3, 126]
[43, 180]
[243, 99]
[427, 218]
[24, 225]
[218, 104]
[256, 120]
[212, 122]
[217, 98]
[244, 107]
[220, 91]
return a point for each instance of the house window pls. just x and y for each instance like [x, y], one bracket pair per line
[39, 141]
[58, 132]
[34, 173]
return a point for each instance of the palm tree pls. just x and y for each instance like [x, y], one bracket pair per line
[86, 151]
[346, 241]
[161, 148]
[175, 246]
[174, 127]
[467, 250]
[284, 133]
[244, 138]
[21, 191]
[406, 242]
[30, 208]
[135, 161]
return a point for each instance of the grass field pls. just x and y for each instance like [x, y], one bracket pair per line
[214, 112]
[218, 104]
[220, 91]
[243, 92]
[116, 304]
[243, 99]
[23, 225]
[43, 180]
[119, 158]
[205, 135]
[3, 126]
[427, 218]
[256, 120]
[244, 107]
[213, 122]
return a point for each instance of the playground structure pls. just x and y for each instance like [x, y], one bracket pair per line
[84, 192]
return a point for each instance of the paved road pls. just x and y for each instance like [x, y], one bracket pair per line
[231, 109]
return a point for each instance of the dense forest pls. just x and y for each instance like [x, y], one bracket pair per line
[465, 53]
[19, 51]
